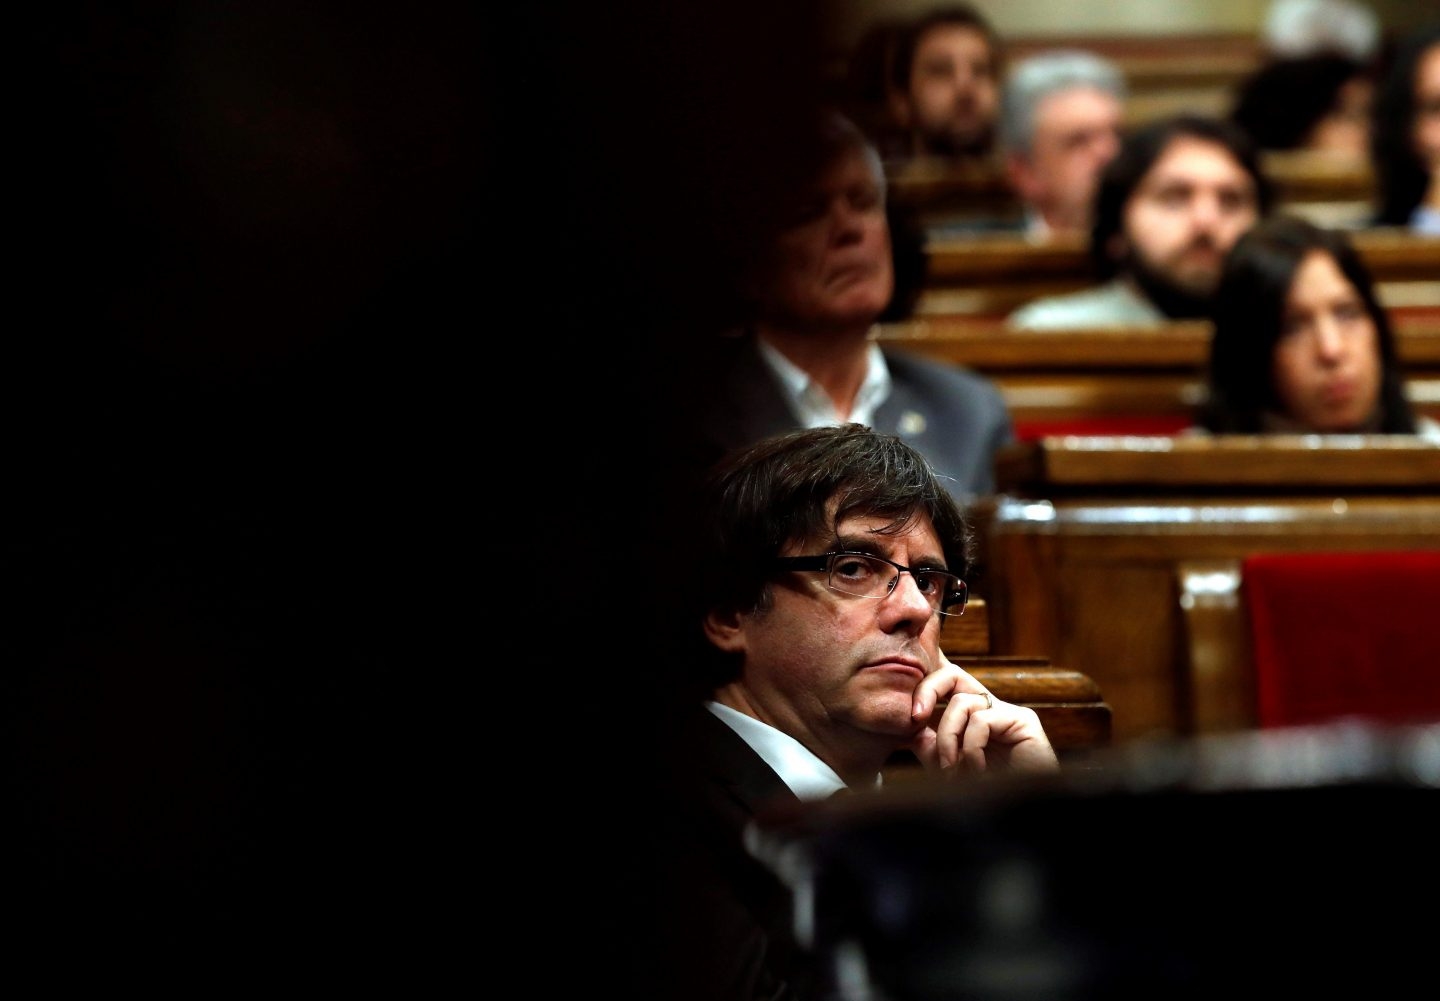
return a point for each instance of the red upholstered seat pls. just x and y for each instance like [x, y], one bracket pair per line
[1149, 425]
[1345, 634]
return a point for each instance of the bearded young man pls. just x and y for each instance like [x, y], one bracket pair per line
[1170, 206]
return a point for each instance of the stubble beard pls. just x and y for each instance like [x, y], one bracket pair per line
[1189, 301]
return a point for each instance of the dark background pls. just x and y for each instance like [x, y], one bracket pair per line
[338, 456]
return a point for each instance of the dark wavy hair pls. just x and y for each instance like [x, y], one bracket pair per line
[1249, 312]
[1400, 176]
[779, 490]
[1139, 151]
[1281, 103]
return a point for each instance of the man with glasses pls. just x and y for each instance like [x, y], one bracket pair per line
[830, 561]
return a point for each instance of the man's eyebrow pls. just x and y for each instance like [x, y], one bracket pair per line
[867, 544]
[855, 544]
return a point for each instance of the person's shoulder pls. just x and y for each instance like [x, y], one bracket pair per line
[1102, 305]
[918, 371]
[703, 364]
[1427, 428]
[1068, 309]
[1425, 220]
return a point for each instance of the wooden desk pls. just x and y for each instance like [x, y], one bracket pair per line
[1194, 71]
[990, 275]
[1070, 705]
[1387, 465]
[1049, 378]
[1084, 549]
[1325, 188]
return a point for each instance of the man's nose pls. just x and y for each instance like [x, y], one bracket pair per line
[1205, 211]
[906, 597]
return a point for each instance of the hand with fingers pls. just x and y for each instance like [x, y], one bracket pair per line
[969, 730]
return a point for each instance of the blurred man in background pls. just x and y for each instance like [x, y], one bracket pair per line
[1061, 115]
[1170, 206]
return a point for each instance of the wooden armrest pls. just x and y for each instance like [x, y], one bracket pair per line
[1032, 681]
[1068, 702]
[969, 634]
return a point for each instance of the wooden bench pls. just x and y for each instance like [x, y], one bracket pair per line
[990, 275]
[1165, 73]
[941, 196]
[1085, 551]
[1325, 188]
[1193, 71]
[1122, 380]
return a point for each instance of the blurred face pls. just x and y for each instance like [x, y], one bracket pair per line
[1327, 361]
[1187, 213]
[1077, 132]
[1345, 129]
[953, 94]
[1427, 108]
[832, 268]
[829, 667]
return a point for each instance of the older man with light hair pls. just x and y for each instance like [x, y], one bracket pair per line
[1061, 114]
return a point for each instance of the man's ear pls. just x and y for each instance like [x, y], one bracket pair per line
[726, 630]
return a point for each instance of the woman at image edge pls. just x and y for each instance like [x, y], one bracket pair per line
[1302, 344]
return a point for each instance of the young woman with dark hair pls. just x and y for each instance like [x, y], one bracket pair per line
[1301, 343]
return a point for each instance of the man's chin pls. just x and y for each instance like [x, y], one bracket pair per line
[889, 713]
[953, 142]
[1197, 286]
[860, 310]
[1178, 294]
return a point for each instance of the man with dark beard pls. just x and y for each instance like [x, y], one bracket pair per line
[1169, 207]
[944, 88]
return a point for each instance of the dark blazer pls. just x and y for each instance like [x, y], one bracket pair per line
[724, 923]
[955, 417]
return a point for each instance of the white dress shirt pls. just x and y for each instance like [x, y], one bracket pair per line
[812, 406]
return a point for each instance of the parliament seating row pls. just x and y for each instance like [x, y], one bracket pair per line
[1102, 554]
[969, 197]
[1328, 189]
[1303, 638]
[1194, 71]
[987, 276]
[1121, 380]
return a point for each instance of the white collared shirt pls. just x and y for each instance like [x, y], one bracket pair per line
[808, 777]
[812, 406]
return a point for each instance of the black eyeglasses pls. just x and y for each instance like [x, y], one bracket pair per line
[868, 576]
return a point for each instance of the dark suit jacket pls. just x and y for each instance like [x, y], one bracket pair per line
[955, 417]
[724, 924]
